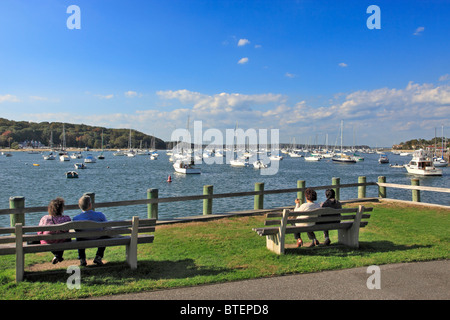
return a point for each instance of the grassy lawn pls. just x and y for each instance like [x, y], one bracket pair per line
[228, 250]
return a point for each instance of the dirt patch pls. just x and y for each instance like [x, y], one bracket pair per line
[60, 265]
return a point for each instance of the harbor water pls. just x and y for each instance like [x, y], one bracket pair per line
[119, 178]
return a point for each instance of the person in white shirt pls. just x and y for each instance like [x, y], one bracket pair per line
[310, 205]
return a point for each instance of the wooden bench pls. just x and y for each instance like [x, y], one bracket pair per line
[114, 233]
[346, 221]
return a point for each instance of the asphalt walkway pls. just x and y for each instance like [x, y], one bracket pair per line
[403, 281]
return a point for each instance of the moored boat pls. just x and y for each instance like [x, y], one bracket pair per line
[422, 164]
[71, 174]
[185, 167]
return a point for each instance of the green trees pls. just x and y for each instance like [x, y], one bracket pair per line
[77, 135]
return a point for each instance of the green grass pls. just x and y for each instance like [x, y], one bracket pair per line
[228, 250]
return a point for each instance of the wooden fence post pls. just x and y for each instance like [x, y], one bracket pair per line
[259, 198]
[152, 208]
[361, 189]
[301, 194]
[336, 182]
[17, 203]
[415, 193]
[381, 190]
[207, 203]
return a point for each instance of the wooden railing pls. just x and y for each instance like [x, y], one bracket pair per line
[18, 210]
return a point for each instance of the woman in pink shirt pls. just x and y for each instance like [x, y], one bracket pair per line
[55, 216]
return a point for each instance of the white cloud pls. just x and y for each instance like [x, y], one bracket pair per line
[8, 98]
[343, 65]
[444, 77]
[385, 115]
[289, 75]
[243, 42]
[107, 97]
[131, 94]
[243, 60]
[419, 31]
[257, 46]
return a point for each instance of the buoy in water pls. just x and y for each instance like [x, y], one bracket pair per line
[169, 179]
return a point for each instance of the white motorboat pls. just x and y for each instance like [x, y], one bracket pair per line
[89, 159]
[238, 163]
[258, 164]
[77, 155]
[185, 167]
[421, 164]
[50, 156]
[79, 166]
[64, 157]
[276, 157]
[312, 158]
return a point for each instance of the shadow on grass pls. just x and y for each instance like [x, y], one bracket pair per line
[365, 248]
[112, 273]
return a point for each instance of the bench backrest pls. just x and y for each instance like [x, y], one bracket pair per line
[328, 218]
[77, 229]
[320, 215]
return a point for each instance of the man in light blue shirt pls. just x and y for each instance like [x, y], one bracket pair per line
[85, 205]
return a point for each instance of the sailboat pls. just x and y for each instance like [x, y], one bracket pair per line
[440, 161]
[343, 158]
[63, 154]
[236, 162]
[185, 163]
[101, 156]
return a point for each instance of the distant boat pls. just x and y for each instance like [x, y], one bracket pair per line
[440, 162]
[343, 158]
[89, 159]
[64, 157]
[76, 155]
[50, 156]
[397, 165]
[312, 158]
[71, 174]
[238, 163]
[383, 159]
[276, 157]
[79, 166]
[185, 167]
[258, 164]
[422, 164]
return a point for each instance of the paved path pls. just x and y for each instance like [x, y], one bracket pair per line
[404, 281]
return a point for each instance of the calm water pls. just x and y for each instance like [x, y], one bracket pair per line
[122, 178]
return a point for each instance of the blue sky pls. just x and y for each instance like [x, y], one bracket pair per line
[297, 66]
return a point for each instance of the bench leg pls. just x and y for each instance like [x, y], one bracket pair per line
[275, 243]
[20, 264]
[131, 256]
[350, 236]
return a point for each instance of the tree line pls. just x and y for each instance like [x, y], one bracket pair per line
[422, 144]
[13, 133]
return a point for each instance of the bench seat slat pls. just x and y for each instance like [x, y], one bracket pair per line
[316, 219]
[295, 229]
